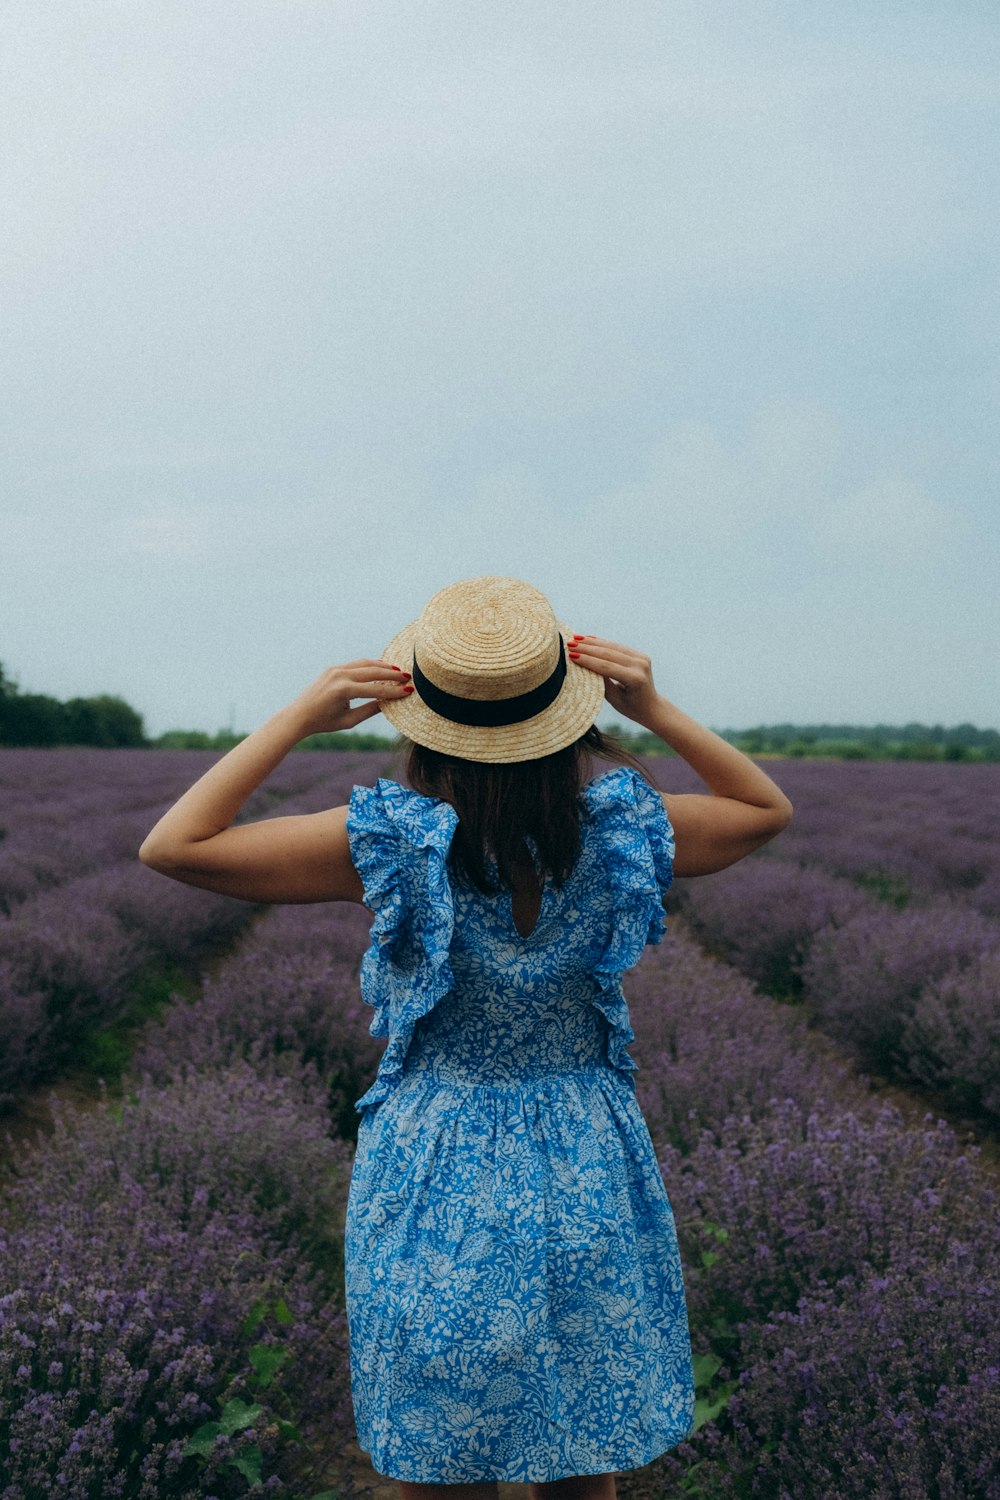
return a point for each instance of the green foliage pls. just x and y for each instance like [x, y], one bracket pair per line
[106, 721]
[225, 739]
[105, 1051]
[109, 722]
[963, 742]
[888, 886]
[197, 739]
[842, 742]
[711, 1397]
[711, 1393]
[237, 1415]
[349, 739]
[31, 719]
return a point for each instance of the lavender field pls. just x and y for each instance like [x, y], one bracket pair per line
[171, 1272]
[878, 910]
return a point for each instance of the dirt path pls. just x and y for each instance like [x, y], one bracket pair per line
[367, 1485]
[636, 1484]
[31, 1118]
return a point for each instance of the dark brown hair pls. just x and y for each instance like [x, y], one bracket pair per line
[499, 805]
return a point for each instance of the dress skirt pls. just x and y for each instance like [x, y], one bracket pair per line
[514, 1287]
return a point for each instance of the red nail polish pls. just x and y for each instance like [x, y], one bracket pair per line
[407, 690]
[574, 656]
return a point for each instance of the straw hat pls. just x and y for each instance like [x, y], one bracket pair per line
[491, 678]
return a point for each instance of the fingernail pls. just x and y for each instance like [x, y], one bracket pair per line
[578, 638]
[406, 675]
[574, 656]
[397, 669]
[407, 690]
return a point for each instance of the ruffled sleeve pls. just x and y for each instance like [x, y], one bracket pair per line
[399, 844]
[637, 845]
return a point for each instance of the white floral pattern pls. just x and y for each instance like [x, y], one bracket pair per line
[515, 1296]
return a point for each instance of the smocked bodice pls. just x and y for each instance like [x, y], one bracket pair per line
[459, 993]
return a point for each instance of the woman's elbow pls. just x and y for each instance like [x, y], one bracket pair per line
[154, 856]
[776, 820]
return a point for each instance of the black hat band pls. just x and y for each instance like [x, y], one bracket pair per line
[491, 713]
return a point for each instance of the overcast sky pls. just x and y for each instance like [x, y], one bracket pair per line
[685, 312]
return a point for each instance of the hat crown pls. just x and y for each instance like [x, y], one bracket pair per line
[487, 638]
[491, 678]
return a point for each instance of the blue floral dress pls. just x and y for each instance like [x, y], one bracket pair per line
[515, 1298]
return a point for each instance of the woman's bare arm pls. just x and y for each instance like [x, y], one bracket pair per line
[291, 859]
[744, 807]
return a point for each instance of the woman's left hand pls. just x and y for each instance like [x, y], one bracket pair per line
[325, 705]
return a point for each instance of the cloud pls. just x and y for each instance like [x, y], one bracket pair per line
[714, 493]
[889, 522]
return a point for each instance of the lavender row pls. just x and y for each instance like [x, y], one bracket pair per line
[70, 960]
[171, 1317]
[802, 1206]
[789, 1182]
[915, 830]
[899, 830]
[69, 956]
[841, 1265]
[66, 813]
[171, 1273]
[911, 993]
[903, 975]
[289, 994]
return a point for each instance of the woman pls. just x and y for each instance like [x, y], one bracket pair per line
[514, 1289]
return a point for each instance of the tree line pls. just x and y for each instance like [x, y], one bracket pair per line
[850, 742]
[30, 720]
[36, 719]
[108, 722]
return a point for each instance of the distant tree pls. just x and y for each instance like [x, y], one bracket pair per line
[752, 742]
[347, 739]
[639, 741]
[197, 739]
[107, 722]
[31, 719]
[918, 749]
[184, 739]
[110, 722]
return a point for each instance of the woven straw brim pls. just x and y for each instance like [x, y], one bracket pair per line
[577, 706]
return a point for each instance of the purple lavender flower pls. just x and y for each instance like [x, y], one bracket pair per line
[862, 979]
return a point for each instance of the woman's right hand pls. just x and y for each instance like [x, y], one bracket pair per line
[744, 807]
[325, 705]
[628, 675]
